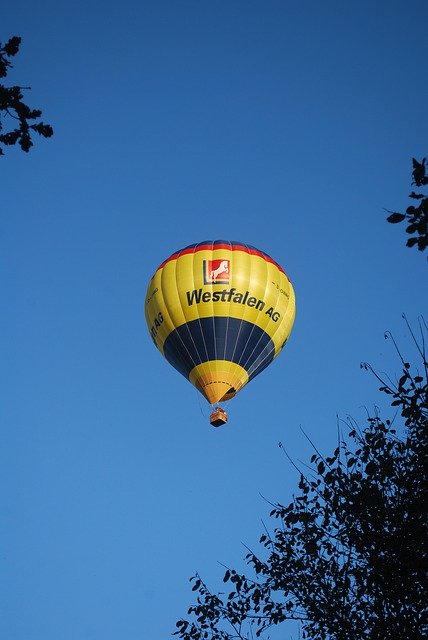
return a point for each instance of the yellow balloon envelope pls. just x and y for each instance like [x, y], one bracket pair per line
[219, 312]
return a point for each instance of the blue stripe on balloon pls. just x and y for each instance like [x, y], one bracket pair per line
[219, 338]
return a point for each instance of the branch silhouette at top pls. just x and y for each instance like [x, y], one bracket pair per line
[12, 108]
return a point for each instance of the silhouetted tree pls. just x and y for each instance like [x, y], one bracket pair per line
[12, 106]
[416, 216]
[348, 556]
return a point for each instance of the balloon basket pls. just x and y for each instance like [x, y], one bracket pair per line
[218, 417]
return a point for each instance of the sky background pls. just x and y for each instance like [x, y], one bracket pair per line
[286, 125]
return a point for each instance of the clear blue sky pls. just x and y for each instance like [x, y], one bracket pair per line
[286, 125]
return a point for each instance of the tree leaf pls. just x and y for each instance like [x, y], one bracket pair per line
[396, 217]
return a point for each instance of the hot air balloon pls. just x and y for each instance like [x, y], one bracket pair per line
[219, 311]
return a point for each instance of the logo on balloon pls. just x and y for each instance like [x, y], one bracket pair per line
[216, 271]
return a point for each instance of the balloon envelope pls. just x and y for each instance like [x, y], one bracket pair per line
[219, 311]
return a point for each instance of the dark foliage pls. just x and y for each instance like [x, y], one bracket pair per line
[12, 106]
[348, 556]
[416, 216]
